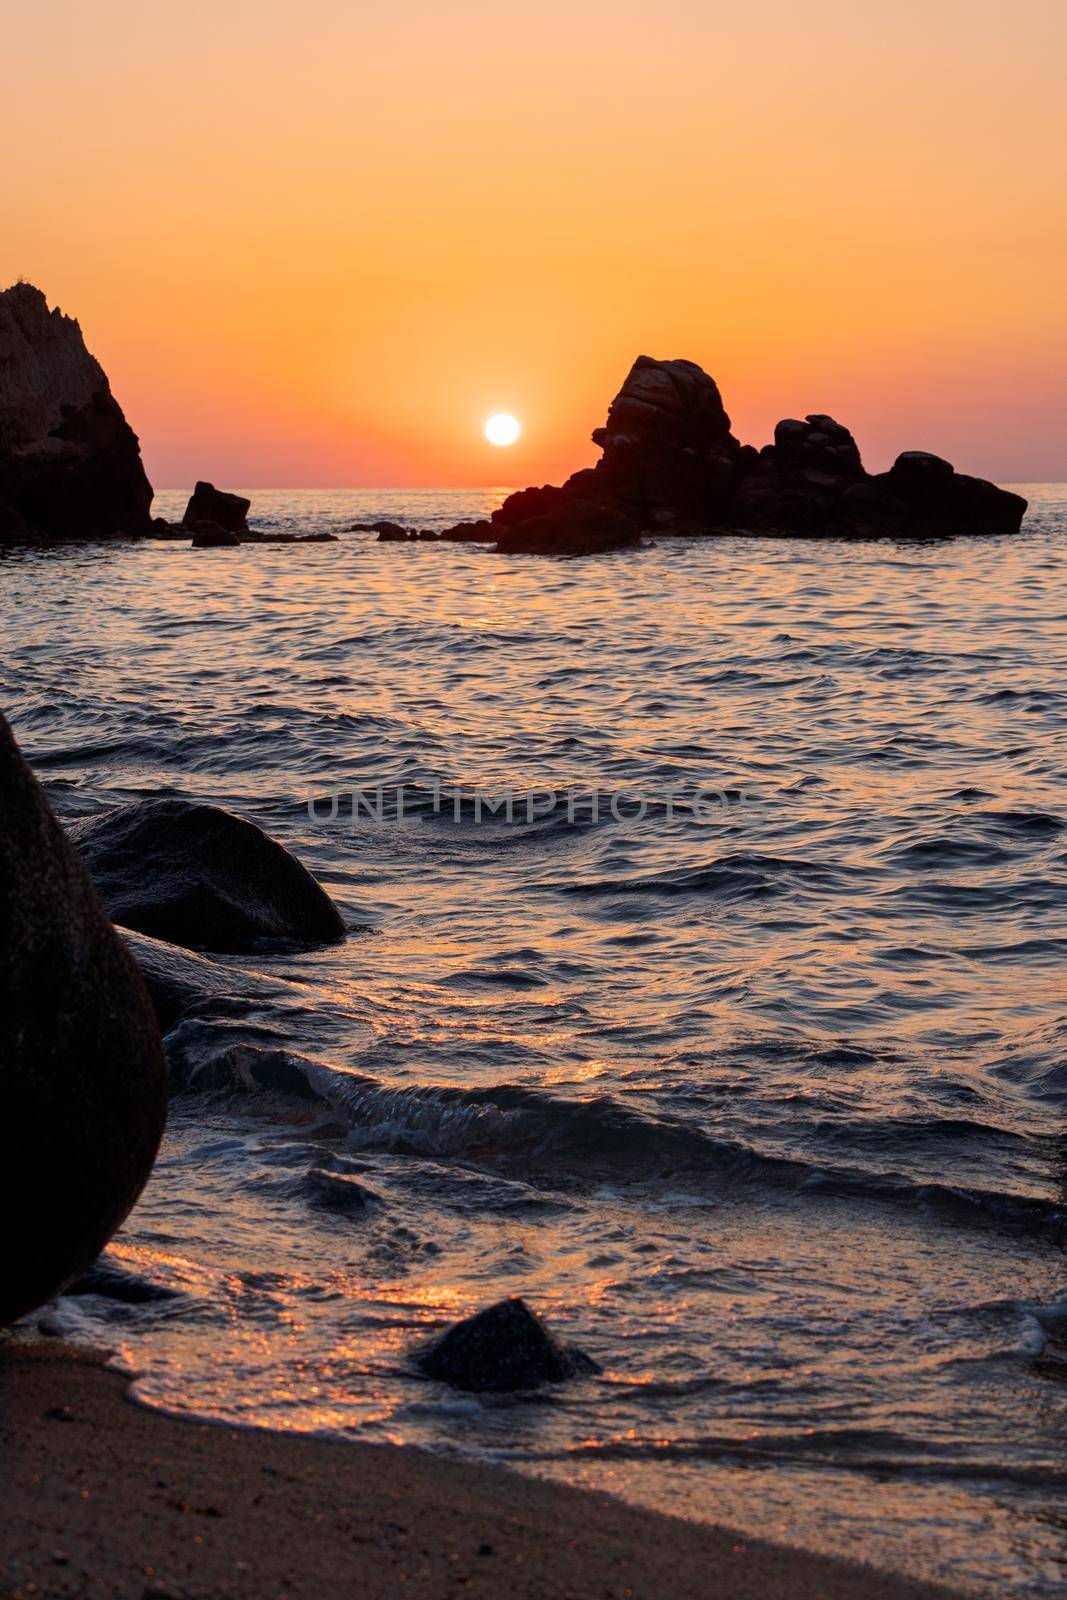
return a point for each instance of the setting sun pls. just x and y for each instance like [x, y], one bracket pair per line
[502, 429]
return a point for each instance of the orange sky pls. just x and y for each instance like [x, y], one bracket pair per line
[320, 243]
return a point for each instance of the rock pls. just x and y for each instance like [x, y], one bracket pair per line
[112, 1282]
[503, 1348]
[179, 981]
[922, 496]
[573, 528]
[389, 533]
[70, 463]
[162, 529]
[215, 508]
[82, 1092]
[671, 466]
[382, 526]
[198, 876]
[337, 1191]
[209, 536]
[793, 485]
[668, 455]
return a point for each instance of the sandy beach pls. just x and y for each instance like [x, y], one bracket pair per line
[103, 1497]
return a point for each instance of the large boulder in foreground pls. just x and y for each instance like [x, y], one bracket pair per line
[670, 465]
[504, 1348]
[70, 464]
[198, 876]
[82, 1092]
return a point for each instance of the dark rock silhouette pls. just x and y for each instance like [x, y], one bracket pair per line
[582, 528]
[670, 465]
[382, 526]
[198, 876]
[82, 1093]
[481, 532]
[503, 1348]
[211, 508]
[209, 536]
[218, 520]
[70, 464]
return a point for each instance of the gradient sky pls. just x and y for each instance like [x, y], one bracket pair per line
[319, 243]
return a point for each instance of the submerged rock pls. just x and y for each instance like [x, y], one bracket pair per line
[337, 1191]
[70, 464]
[179, 981]
[670, 465]
[82, 1089]
[112, 1282]
[199, 876]
[503, 1348]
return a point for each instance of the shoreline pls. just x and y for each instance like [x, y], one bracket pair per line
[106, 1497]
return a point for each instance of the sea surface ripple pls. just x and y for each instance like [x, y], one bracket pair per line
[754, 1084]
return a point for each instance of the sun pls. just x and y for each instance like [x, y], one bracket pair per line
[502, 429]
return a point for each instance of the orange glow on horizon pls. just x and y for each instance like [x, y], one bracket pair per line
[321, 252]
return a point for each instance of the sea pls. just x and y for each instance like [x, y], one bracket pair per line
[704, 986]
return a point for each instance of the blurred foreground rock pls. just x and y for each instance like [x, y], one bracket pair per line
[82, 1088]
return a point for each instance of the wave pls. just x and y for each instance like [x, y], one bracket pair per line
[742, 875]
[566, 1143]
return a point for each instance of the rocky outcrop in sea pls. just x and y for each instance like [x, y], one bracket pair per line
[671, 465]
[70, 464]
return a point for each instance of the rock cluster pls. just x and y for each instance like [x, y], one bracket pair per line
[671, 465]
[218, 520]
[82, 1091]
[70, 464]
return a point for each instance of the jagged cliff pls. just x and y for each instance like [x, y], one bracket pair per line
[70, 464]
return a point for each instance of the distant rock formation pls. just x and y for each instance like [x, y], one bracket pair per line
[82, 1088]
[70, 464]
[670, 465]
[218, 520]
[211, 509]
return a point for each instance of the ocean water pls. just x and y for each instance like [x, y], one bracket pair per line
[754, 1082]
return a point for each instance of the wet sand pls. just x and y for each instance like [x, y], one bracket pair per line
[99, 1497]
